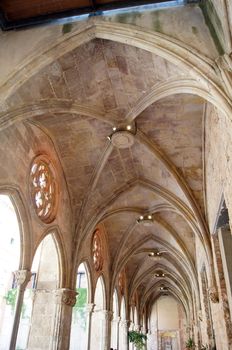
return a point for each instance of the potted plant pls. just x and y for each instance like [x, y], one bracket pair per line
[190, 344]
[138, 339]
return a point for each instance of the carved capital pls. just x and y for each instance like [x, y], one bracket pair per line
[22, 277]
[137, 327]
[89, 308]
[124, 323]
[213, 294]
[66, 296]
[143, 329]
[107, 315]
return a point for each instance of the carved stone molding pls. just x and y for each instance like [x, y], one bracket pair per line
[66, 296]
[124, 323]
[89, 308]
[22, 277]
[143, 329]
[225, 62]
[116, 320]
[137, 327]
[107, 315]
[213, 294]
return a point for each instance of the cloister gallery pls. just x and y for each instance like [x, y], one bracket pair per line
[115, 175]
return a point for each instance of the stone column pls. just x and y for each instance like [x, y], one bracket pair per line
[22, 278]
[106, 317]
[144, 331]
[225, 243]
[89, 312]
[123, 330]
[65, 300]
[114, 330]
[131, 328]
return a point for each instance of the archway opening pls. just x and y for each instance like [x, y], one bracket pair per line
[167, 324]
[9, 262]
[79, 331]
[38, 314]
[114, 322]
[98, 320]
[123, 328]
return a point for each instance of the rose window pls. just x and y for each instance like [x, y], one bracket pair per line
[97, 251]
[43, 189]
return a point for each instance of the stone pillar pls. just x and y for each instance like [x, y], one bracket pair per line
[152, 339]
[225, 243]
[131, 328]
[22, 278]
[107, 317]
[89, 312]
[223, 294]
[123, 330]
[114, 331]
[65, 300]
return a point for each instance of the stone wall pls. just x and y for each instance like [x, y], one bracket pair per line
[218, 163]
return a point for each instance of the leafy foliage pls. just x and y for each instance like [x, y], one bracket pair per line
[79, 309]
[81, 298]
[137, 339]
[190, 344]
[10, 297]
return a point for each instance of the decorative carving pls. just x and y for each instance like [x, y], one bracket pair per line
[66, 296]
[97, 251]
[89, 308]
[124, 323]
[22, 277]
[225, 62]
[213, 294]
[43, 188]
[107, 315]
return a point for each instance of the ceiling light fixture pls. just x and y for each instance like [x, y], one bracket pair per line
[146, 220]
[160, 274]
[156, 254]
[123, 136]
[163, 288]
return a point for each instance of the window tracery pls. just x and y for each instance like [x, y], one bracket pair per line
[97, 251]
[121, 282]
[43, 188]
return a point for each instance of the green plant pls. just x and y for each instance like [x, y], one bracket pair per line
[204, 347]
[138, 339]
[190, 344]
[10, 297]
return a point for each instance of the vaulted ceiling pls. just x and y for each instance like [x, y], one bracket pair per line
[160, 174]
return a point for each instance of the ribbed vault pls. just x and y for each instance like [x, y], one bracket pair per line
[77, 99]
